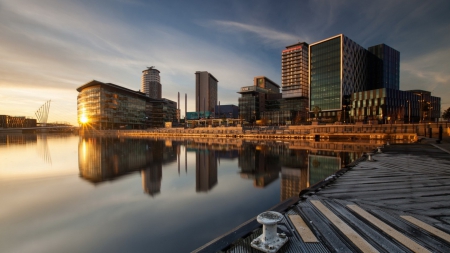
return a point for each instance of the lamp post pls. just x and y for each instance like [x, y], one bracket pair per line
[409, 111]
[344, 106]
[421, 108]
[429, 110]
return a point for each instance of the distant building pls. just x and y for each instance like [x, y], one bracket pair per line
[205, 91]
[294, 71]
[7, 121]
[263, 96]
[151, 83]
[160, 111]
[227, 111]
[255, 100]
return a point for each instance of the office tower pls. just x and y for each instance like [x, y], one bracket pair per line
[294, 70]
[384, 67]
[338, 68]
[151, 83]
[205, 91]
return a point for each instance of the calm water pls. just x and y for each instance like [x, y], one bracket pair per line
[65, 193]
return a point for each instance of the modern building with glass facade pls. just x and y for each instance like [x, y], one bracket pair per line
[205, 91]
[251, 103]
[151, 83]
[109, 106]
[394, 106]
[384, 67]
[337, 68]
[294, 71]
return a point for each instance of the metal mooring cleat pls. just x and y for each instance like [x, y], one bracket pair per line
[379, 150]
[369, 157]
[269, 240]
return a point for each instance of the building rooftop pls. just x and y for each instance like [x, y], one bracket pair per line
[208, 73]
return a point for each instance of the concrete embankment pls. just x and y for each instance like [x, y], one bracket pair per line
[407, 132]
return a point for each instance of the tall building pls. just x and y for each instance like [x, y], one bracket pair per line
[151, 83]
[205, 91]
[384, 69]
[294, 70]
[338, 68]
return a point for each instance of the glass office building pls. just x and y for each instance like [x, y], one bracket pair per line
[394, 106]
[338, 68]
[384, 67]
[109, 106]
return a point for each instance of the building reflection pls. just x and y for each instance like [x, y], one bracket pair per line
[205, 170]
[40, 140]
[103, 159]
[297, 165]
[17, 139]
[206, 162]
[259, 163]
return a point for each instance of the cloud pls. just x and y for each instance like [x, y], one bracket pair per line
[52, 47]
[428, 72]
[269, 36]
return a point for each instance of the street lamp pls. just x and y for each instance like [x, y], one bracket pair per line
[429, 110]
[409, 111]
[421, 107]
[344, 106]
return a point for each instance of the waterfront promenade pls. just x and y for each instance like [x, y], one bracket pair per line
[405, 132]
[400, 202]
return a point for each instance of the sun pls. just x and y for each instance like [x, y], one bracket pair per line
[84, 119]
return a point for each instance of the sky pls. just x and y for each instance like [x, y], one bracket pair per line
[48, 48]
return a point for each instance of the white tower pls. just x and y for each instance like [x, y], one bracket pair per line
[151, 83]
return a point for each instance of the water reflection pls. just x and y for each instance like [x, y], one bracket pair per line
[42, 148]
[298, 164]
[17, 139]
[104, 159]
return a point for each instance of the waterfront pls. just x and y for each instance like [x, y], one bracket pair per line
[96, 194]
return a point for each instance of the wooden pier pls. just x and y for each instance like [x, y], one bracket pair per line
[400, 202]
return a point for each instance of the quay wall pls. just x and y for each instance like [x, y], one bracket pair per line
[408, 132]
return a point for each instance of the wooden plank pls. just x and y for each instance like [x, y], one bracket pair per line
[322, 225]
[412, 245]
[427, 227]
[303, 230]
[356, 239]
